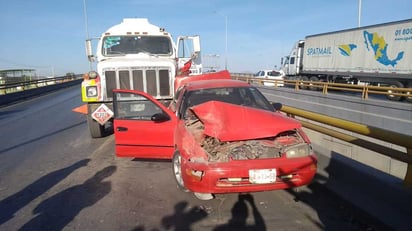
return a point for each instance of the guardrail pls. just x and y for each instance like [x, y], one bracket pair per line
[7, 88]
[15, 92]
[376, 133]
[319, 122]
[349, 168]
[365, 90]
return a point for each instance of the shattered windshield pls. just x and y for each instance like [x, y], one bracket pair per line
[123, 45]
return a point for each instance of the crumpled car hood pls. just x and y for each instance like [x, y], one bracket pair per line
[229, 122]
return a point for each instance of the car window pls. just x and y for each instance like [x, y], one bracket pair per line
[260, 73]
[259, 100]
[275, 73]
[130, 106]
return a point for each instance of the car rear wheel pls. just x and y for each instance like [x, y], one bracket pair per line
[177, 171]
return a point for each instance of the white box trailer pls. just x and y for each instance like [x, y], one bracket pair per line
[379, 55]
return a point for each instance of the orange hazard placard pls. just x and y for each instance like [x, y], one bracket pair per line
[102, 114]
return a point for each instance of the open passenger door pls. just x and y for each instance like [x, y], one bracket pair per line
[143, 127]
[188, 49]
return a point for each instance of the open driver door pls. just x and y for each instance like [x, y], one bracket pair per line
[143, 127]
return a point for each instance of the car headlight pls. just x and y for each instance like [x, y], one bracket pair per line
[299, 150]
[91, 91]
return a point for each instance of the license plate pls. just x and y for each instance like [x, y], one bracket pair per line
[262, 176]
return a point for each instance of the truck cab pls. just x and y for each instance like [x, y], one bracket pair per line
[135, 55]
[292, 64]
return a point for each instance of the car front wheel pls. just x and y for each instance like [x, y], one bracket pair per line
[177, 170]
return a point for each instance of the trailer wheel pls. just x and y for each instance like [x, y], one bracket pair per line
[311, 86]
[395, 84]
[409, 98]
[302, 85]
[96, 130]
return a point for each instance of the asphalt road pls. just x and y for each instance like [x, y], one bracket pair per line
[53, 176]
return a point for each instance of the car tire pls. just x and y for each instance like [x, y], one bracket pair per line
[177, 170]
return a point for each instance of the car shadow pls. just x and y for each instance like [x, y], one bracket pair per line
[150, 160]
[335, 212]
[57, 211]
[10, 205]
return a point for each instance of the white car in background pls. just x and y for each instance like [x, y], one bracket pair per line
[271, 75]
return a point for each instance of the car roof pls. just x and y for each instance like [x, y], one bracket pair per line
[215, 83]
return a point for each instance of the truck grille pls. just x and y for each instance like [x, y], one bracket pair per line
[154, 81]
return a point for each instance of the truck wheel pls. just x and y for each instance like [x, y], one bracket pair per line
[409, 98]
[96, 130]
[313, 79]
[177, 171]
[302, 85]
[396, 84]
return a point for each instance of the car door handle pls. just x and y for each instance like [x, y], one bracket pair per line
[121, 129]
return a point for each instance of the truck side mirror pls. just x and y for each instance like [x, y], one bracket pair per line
[89, 51]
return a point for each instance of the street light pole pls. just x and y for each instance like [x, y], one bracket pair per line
[359, 12]
[87, 28]
[225, 37]
[225, 42]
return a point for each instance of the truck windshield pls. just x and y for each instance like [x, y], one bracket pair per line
[123, 45]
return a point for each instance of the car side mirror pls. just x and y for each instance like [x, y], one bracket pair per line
[160, 117]
[277, 106]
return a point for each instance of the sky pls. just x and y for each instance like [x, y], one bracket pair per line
[49, 35]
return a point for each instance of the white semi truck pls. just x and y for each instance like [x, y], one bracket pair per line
[376, 55]
[136, 55]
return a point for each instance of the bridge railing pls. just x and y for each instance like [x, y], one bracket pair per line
[14, 92]
[307, 118]
[344, 129]
[365, 90]
[8, 86]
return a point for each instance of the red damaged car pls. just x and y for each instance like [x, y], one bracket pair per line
[222, 135]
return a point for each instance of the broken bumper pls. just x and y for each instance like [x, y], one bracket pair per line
[236, 176]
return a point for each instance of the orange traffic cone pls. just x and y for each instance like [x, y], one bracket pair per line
[82, 109]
